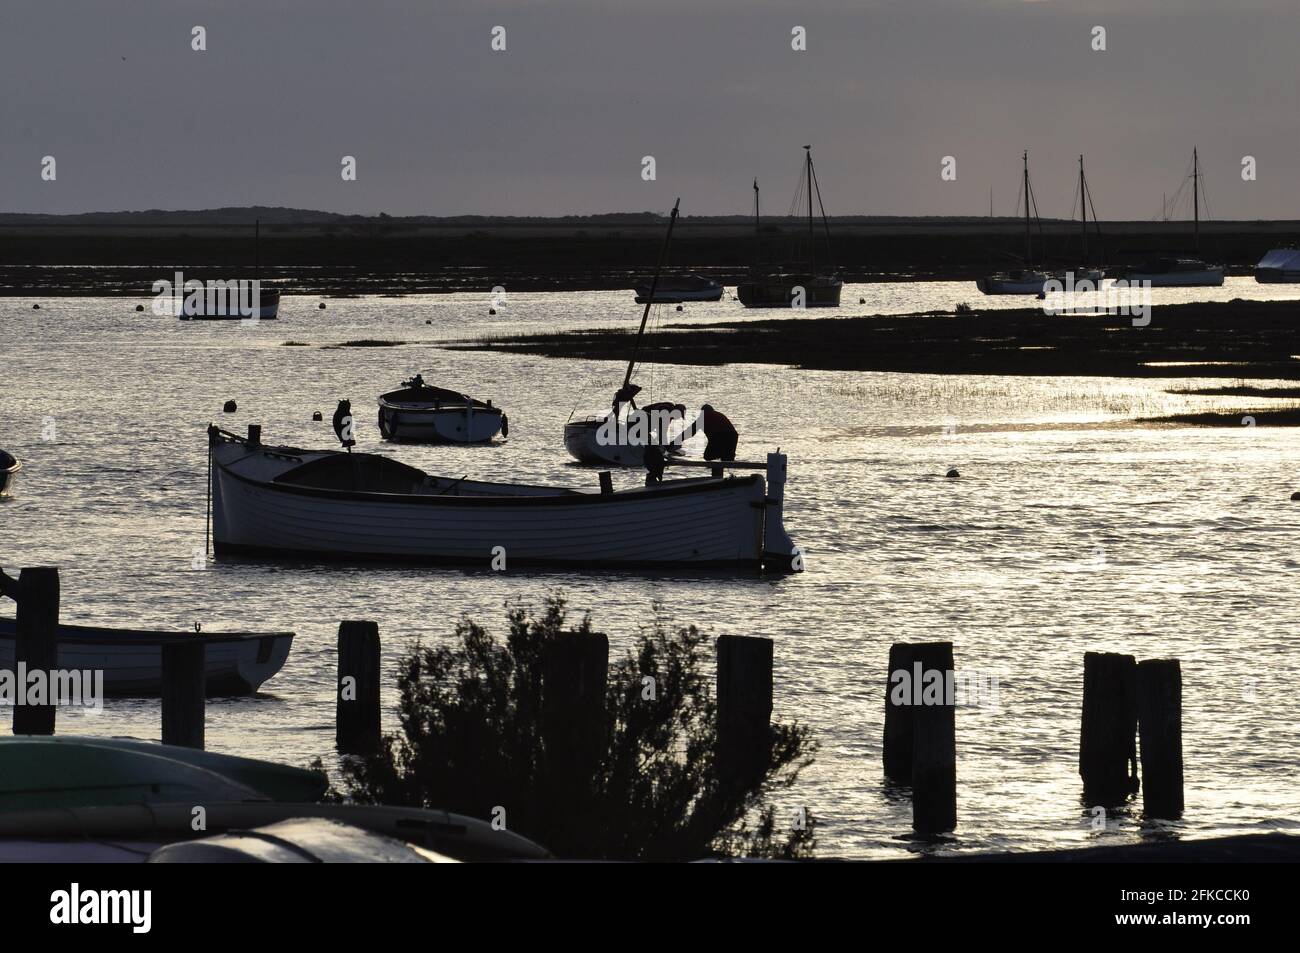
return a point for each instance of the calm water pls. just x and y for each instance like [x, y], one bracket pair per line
[1070, 530]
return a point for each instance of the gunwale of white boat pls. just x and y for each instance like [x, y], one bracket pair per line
[236, 663]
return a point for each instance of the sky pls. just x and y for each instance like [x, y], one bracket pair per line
[560, 120]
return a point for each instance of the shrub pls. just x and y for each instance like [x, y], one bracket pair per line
[472, 739]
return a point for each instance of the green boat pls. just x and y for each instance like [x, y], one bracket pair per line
[73, 772]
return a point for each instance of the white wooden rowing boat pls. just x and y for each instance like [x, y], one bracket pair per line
[326, 504]
[420, 412]
[131, 659]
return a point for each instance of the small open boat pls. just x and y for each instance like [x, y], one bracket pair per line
[675, 289]
[237, 663]
[73, 771]
[9, 467]
[286, 502]
[421, 412]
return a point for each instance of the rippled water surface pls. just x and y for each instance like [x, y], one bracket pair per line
[1071, 529]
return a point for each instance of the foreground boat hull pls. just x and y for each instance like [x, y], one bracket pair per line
[131, 660]
[709, 522]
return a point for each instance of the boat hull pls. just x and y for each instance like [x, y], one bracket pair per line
[779, 292]
[1203, 278]
[131, 660]
[1270, 276]
[268, 310]
[677, 296]
[9, 476]
[684, 523]
[999, 285]
[580, 439]
[446, 425]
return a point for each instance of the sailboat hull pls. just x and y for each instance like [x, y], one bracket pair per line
[782, 292]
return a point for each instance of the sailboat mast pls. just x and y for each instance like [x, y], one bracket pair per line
[812, 238]
[757, 232]
[654, 284]
[1029, 241]
[1196, 201]
[1083, 207]
[257, 247]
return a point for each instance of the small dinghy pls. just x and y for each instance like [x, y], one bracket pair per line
[281, 501]
[237, 663]
[427, 414]
[9, 467]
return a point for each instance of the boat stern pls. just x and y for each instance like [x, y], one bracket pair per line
[780, 554]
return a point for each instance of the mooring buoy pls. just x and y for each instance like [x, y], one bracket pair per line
[317, 416]
[322, 305]
[1296, 495]
[679, 307]
[36, 307]
[229, 407]
[862, 301]
[139, 307]
[953, 473]
[492, 310]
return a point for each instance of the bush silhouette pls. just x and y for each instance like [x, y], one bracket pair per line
[473, 741]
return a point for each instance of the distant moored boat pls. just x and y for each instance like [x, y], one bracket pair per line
[9, 467]
[1279, 266]
[798, 287]
[679, 288]
[427, 414]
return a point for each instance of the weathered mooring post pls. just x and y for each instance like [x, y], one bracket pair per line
[184, 690]
[898, 715]
[36, 646]
[744, 689]
[575, 729]
[1159, 713]
[1108, 734]
[356, 713]
[934, 742]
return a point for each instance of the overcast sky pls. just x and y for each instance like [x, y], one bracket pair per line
[558, 123]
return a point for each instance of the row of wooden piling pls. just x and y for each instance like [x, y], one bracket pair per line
[1124, 700]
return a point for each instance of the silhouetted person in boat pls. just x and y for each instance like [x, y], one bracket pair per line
[343, 424]
[663, 413]
[722, 436]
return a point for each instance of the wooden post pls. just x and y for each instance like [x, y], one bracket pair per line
[36, 645]
[1108, 735]
[575, 669]
[184, 688]
[1160, 713]
[934, 743]
[357, 728]
[897, 754]
[744, 708]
